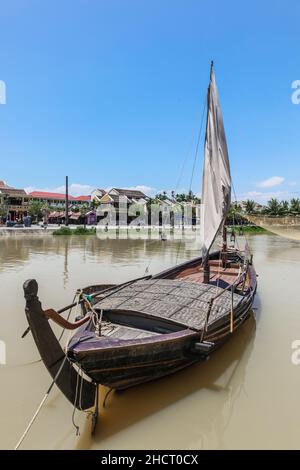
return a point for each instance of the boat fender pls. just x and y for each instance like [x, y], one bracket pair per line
[203, 347]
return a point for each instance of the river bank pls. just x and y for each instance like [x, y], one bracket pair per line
[102, 229]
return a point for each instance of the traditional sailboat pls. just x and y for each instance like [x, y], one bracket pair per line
[149, 327]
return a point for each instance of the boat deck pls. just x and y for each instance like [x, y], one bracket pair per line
[111, 330]
[185, 303]
[219, 275]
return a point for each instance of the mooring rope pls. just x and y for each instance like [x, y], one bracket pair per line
[74, 408]
[40, 405]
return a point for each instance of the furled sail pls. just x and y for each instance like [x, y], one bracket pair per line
[216, 182]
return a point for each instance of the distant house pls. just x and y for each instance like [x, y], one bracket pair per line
[58, 199]
[13, 201]
[59, 217]
[121, 199]
[257, 207]
[97, 194]
[130, 196]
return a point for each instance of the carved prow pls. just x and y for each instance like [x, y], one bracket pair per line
[52, 353]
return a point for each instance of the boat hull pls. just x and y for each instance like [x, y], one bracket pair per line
[121, 363]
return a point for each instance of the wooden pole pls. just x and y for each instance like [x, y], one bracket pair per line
[67, 202]
[224, 246]
[224, 238]
[206, 273]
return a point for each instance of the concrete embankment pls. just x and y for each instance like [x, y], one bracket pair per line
[15, 232]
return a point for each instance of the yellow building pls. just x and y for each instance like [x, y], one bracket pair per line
[13, 202]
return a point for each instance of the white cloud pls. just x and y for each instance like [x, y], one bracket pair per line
[253, 194]
[263, 198]
[270, 182]
[75, 189]
[292, 183]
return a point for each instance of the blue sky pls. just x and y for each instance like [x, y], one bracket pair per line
[111, 92]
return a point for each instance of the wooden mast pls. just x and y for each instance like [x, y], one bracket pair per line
[67, 202]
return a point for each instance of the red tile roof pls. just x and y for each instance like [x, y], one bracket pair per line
[83, 198]
[46, 195]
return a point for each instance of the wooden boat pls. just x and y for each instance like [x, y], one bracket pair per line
[150, 327]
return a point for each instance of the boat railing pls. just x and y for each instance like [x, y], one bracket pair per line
[240, 277]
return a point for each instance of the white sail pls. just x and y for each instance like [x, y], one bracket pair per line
[216, 182]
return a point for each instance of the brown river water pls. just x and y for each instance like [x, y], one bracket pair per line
[245, 396]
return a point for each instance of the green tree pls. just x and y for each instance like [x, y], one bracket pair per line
[45, 209]
[295, 206]
[181, 197]
[161, 196]
[35, 209]
[274, 207]
[190, 195]
[250, 206]
[3, 209]
[38, 209]
[284, 207]
[84, 209]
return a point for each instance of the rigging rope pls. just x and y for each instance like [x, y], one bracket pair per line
[197, 146]
[194, 165]
[192, 175]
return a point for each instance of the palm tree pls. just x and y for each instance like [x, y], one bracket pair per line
[181, 197]
[295, 206]
[274, 207]
[250, 206]
[161, 196]
[284, 209]
[190, 195]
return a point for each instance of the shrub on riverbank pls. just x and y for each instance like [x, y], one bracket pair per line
[76, 231]
[241, 229]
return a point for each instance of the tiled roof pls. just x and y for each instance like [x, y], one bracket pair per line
[128, 192]
[13, 191]
[83, 198]
[5, 189]
[47, 195]
[3, 185]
